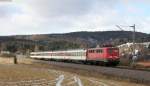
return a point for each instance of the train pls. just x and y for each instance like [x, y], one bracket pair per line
[105, 55]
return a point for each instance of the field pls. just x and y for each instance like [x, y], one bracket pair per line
[30, 73]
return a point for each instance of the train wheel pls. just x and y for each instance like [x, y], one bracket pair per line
[115, 63]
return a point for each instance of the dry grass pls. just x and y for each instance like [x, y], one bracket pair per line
[23, 72]
[12, 72]
[4, 60]
[10, 60]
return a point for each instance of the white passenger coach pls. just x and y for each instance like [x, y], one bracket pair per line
[63, 55]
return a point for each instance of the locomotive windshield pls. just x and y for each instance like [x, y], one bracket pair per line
[113, 50]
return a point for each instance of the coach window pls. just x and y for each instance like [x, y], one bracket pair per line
[75, 54]
[92, 51]
[53, 54]
[82, 54]
[89, 51]
[78, 53]
[99, 51]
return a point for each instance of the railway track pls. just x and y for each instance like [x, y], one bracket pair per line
[139, 76]
[133, 68]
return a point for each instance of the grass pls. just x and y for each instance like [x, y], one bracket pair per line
[23, 72]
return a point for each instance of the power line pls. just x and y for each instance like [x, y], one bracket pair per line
[119, 27]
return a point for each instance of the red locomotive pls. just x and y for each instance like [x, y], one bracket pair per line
[106, 54]
[109, 55]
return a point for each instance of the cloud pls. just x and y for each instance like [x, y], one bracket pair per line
[66, 7]
[61, 16]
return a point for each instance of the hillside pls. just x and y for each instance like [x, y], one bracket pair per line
[69, 40]
[89, 38]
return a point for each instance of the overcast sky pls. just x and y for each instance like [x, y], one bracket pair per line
[62, 16]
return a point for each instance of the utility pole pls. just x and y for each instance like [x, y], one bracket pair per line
[133, 39]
